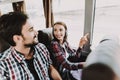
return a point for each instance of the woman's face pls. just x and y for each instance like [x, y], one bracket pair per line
[59, 32]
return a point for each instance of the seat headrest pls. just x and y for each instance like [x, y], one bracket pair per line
[45, 36]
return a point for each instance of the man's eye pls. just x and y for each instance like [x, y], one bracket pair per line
[31, 29]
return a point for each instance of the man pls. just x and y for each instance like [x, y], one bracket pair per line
[26, 59]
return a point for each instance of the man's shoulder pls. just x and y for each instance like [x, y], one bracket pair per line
[4, 55]
[40, 45]
[42, 48]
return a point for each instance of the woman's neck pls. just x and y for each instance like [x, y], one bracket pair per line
[61, 42]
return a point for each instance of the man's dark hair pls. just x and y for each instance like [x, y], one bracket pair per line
[97, 71]
[11, 24]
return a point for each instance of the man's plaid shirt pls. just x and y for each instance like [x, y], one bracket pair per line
[14, 67]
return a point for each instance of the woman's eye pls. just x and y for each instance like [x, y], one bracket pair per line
[55, 30]
[61, 30]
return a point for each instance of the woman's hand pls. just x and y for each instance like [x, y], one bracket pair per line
[83, 40]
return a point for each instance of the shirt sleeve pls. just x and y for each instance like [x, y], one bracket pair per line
[85, 51]
[80, 54]
[61, 59]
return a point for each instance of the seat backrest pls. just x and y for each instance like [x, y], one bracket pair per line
[3, 45]
[45, 36]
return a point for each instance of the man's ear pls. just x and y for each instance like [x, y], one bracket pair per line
[16, 38]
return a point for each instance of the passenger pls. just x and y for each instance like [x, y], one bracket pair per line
[107, 52]
[26, 59]
[66, 59]
[98, 71]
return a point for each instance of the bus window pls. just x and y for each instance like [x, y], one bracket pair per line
[34, 9]
[70, 12]
[107, 17]
[5, 8]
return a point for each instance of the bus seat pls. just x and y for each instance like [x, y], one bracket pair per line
[45, 36]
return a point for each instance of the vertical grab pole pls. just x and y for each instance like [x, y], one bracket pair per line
[89, 18]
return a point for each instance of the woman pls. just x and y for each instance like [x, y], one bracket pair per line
[66, 59]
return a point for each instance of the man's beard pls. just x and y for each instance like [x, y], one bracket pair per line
[31, 44]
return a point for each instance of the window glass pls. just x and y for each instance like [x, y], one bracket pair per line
[4, 7]
[107, 19]
[35, 11]
[72, 13]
